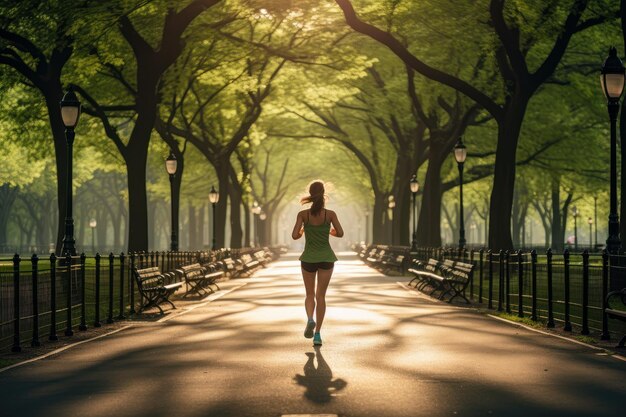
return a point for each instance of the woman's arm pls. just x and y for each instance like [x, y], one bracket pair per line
[336, 230]
[298, 230]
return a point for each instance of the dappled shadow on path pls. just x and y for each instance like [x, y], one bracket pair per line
[318, 381]
[402, 355]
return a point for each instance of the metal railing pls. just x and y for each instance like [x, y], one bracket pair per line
[561, 288]
[43, 296]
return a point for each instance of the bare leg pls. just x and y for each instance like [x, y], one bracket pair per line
[309, 286]
[323, 279]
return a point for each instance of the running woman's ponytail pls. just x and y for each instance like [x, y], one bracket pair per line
[316, 196]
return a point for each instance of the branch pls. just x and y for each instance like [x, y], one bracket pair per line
[560, 45]
[24, 45]
[97, 111]
[412, 61]
[509, 38]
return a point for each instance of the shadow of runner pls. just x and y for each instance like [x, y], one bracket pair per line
[319, 382]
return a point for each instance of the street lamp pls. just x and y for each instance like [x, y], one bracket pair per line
[367, 226]
[214, 197]
[93, 223]
[415, 186]
[171, 166]
[612, 80]
[391, 205]
[70, 113]
[590, 221]
[595, 219]
[575, 214]
[460, 153]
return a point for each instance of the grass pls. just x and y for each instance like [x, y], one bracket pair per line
[523, 320]
[586, 339]
[4, 362]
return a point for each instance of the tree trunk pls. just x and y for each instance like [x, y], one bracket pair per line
[152, 221]
[246, 216]
[101, 229]
[557, 229]
[547, 230]
[267, 225]
[117, 231]
[199, 244]
[518, 219]
[504, 174]
[221, 170]
[402, 196]
[137, 225]
[622, 137]
[236, 200]
[429, 222]
[8, 195]
[192, 227]
[377, 218]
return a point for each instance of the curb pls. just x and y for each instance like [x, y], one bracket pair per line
[59, 350]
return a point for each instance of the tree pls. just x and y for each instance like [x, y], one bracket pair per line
[514, 58]
[151, 58]
[36, 43]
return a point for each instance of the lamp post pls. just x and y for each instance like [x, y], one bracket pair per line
[590, 221]
[93, 223]
[214, 197]
[70, 113]
[612, 80]
[575, 214]
[171, 166]
[595, 220]
[415, 186]
[367, 226]
[391, 205]
[256, 210]
[460, 153]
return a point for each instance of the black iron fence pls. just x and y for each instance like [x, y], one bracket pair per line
[564, 289]
[42, 297]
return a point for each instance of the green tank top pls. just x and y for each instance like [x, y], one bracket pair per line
[317, 247]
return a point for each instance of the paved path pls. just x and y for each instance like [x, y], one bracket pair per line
[387, 352]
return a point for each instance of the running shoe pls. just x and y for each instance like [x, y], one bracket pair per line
[308, 331]
[317, 340]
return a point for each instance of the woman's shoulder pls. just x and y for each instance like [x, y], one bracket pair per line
[303, 212]
[331, 212]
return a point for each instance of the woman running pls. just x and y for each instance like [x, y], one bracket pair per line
[318, 257]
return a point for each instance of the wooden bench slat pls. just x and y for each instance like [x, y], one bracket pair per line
[152, 288]
[449, 277]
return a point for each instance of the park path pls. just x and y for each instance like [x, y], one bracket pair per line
[387, 352]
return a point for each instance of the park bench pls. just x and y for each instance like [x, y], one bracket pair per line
[364, 252]
[229, 266]
[449, 277]
[424, 274]
[614, 313]
[262, 257]
[393, 262]
[375, 257]
[249, 263]
[153, 288]
[199, 279]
